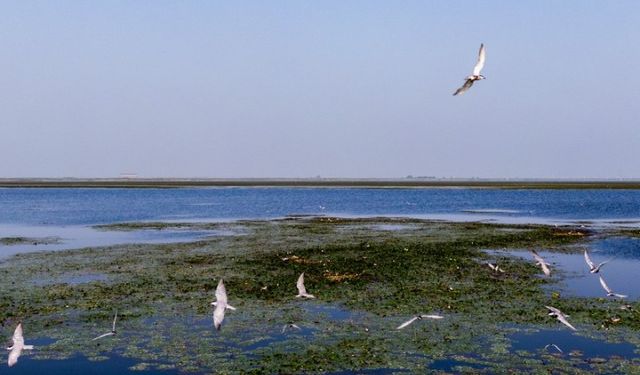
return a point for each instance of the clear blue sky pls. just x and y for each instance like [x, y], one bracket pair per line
[331, 88]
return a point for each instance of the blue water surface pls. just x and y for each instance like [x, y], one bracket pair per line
[64, 206]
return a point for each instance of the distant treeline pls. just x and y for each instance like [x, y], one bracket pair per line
[361, 183]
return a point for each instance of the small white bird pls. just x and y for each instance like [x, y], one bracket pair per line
[113, 328]
[475, 76]
[495, 267]
[302, 291]
[554, 346]
[593, 268]
[18, 346]
[610, 292]
[540, 262]
[560, 316]
[220, 304]
[290, 325]
[418, 317]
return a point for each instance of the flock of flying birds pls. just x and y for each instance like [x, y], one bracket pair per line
[593, 268]
[221, 304]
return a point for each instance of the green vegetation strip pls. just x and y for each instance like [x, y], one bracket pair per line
[367, 280]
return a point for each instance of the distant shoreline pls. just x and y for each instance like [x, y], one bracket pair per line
[319, 182]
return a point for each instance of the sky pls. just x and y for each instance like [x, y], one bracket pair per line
[333, 88]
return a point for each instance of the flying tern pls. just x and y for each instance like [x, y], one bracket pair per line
[302, 291]
[553, 346]
[593, 268]
[113, 328]
[475, 76]
[18, 346]
[541, 262]
[610, 292]
[560, 316]
[290, 325]
[418, 317]
[495, 267]
[220, 304]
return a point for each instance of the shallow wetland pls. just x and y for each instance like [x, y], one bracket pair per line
[368, 274]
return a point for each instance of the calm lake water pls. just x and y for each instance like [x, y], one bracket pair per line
[68, 214]
[103, 206]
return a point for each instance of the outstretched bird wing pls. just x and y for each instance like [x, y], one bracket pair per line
[554, 310]
[401, 326]
[104, 335]
[14, 355]
[18, 338]
[467, 85]
[221, 293]
[564, 321]
[300, 285]
[480, 63]
[604, 285]
[431, 316]
[115, 317]
[588, 260]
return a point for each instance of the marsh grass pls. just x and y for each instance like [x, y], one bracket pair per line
[379, 277]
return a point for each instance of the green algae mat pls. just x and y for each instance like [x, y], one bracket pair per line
[368, 276]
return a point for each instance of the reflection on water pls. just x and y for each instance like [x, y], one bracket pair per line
[569, 342]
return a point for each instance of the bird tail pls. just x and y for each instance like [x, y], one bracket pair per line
[28, 347]
[230, 307]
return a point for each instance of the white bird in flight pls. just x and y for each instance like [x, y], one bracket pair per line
[495, 267]
[418, 317]
[290, 325]
[554, 346]
[540, 262]
[220, 304]
[610, 292]
[560, 316]
[593, 268]
[18, 346]
[302, 291]
[113, 328]
[475, 76]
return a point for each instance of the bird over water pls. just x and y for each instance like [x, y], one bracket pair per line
[18, 346]
[418, 317]
[302, 291]
[220, 304]
[113, 328]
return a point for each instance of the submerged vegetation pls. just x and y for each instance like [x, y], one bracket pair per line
[9, 241]
[368, 275]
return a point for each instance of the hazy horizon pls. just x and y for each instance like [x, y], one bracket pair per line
[335, 89]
